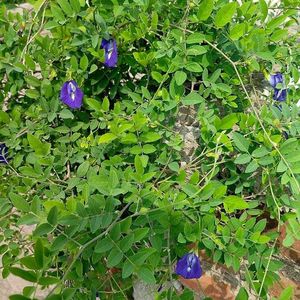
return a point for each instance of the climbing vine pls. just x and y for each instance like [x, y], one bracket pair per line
[92, 160]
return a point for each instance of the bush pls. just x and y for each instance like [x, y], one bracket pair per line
[105, 186]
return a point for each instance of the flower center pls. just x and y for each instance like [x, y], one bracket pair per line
[71, 90]
[189, 269]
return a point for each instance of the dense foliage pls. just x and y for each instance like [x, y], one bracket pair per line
[105, 185]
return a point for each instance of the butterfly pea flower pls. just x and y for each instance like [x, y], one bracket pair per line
[111, 52]
[279, 94]
[3, 154]
[71, 94]
[189, 266]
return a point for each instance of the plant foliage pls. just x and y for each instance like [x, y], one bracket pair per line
[104, 187]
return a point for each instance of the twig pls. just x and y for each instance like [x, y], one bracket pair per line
[250, 101]
[266, 270]
[82, 248]
[29, 38]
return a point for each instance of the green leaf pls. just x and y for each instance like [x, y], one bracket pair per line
[114, 258]
[57, 13]
[29, 262]
[287, 294]
[275, 22]
[193, 67]
[281, 167]
[252, 167]
[242, 159]
[148, 148]
[26, 275]
[93, 68]
[127, 269]
[140, 233]
[208, 243]
[154, 21]
[150, 137]
[42, 229]
[39, 253]
[242, 294]
[224, 87]
[228, 121]
[66, 114]
[28, 219]
[75, 4]
[18, 297]
[83, 168]
[32, 93]
[68, 293]
[113, 178]
[146, 275]
[216, 74]
[260, 152]
[225, 14]
[19, 202]
[205, 9]
[103, 245]
[48, 280]
[105, 104]
[58, 243]
[232, 203]
[107, 138]
[279, 34]
[195, 38]
[180, 77]
[138, 165]
[66, 7]
[264, 9]
[240, 236]
[263, 239]
[240, 141]
[192, 99]
[140, 257]
[157, 76]
[260, 225]
[4, 117]
[40, 148]
[52, 215]
[237, 31]
[126, 243]
[196, 50]
[84, 63]
[93, 104]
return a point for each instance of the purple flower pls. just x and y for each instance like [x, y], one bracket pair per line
[71, 94]
[3, 153]
[111, 52]
[279, 94]
[189, 266]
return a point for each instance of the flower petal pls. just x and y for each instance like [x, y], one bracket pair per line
[3, 153]
[111, 52]
[71, 94]
[189, 266]
[280, 95]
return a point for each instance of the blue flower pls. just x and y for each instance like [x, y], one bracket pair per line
[111, 52]
[71, 94]
[189, 266]
[279, 94]
[3, 153]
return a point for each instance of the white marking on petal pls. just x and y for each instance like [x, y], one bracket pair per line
[110, 50]
[72, 86]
